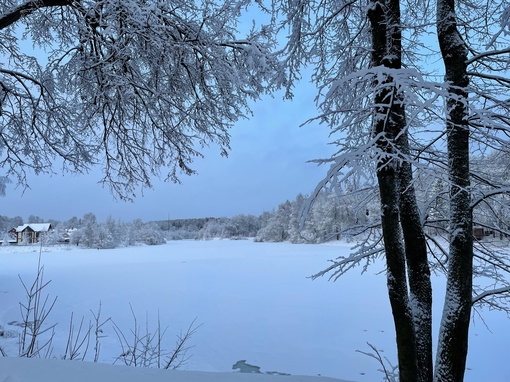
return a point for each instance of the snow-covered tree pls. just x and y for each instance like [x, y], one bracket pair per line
[88, 232]
[296, 234]
[135, 86]
[5, 237]
[75, 236]
[35, 219]
[397, 121]
[331, 216]
[6, 223]
[73, 222]
[277, 227]
[213, 228]
[150, 234]
[114, 232]
[103, 238]
[88, 237]
[53, 236]
[241, 226]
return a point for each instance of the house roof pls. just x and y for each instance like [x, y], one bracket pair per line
[36, 227]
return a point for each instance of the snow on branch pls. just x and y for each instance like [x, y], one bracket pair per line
[11, 16]
[487, 194]
[491, 293]
[486, 54]
[139, 86]
[364, 252]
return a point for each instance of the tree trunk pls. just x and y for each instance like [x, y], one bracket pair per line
[415, 246]
[453, 335]
[389, 121]
[418, 269]
[396, 276]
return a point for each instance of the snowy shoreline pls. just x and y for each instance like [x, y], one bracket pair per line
[41, 370]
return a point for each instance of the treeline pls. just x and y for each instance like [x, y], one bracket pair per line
[328, 218]
[88, 232]
[237, 227]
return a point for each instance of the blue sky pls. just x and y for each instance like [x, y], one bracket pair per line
[266, 166]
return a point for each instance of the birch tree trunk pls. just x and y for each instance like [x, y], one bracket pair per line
[453, 335]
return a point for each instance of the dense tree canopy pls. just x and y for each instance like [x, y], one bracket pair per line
[135, 86]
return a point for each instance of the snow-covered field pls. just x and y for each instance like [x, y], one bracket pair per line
[254, 300]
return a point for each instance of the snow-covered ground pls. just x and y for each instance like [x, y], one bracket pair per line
[254, 302]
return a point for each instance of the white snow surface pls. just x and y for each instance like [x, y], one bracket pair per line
[54, 370]
[255, 301]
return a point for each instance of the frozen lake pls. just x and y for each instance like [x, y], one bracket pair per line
[254, 300]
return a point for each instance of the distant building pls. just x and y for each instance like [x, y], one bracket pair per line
[66, 236]
[31, 233]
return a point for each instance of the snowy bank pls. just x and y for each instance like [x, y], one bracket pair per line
[41, 370]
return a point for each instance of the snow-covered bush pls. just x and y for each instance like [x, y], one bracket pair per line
[149, 234]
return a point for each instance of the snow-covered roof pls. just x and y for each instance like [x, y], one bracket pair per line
[36, 227]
